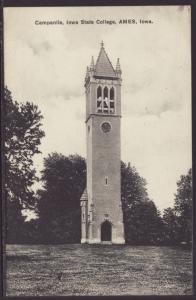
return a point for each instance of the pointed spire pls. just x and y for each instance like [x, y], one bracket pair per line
[103, 65]
[92, 66]
[118, 68]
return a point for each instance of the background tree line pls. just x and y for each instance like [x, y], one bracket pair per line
[57, 203]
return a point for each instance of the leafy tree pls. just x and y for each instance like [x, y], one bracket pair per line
[142, 220]
[22, 138]
[171, 230]
[20, 231]
[59, 202]
[15, 223]
[183, 206]
[143, 224]
[133, 187]
[178, 220]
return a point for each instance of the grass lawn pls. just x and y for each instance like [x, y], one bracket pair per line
[39, 270]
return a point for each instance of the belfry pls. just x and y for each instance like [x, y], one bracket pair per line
[101, 210]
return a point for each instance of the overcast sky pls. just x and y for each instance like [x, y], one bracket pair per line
[46, 64]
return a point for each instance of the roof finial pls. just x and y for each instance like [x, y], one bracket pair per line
[87, 70]
[118, 64]
[102, 44]
[118, 68]
[92, 66]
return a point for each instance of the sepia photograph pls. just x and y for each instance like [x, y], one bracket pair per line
[98, 151]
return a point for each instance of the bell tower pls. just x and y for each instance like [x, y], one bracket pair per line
[101, 211]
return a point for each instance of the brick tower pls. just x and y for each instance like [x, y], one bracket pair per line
[101, 211]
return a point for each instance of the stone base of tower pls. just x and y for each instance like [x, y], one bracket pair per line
[95, 236]
[118, 241]
[94, 241]
[84, 241]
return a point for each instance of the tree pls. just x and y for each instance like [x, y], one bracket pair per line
[171, 227]
[142, 220]
[183, 206]
[178, 220]
[133, 186]
[143, 224]
[58, 207]
[15, 223]
[22, 139]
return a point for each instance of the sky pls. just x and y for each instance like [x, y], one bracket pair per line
[46, 64]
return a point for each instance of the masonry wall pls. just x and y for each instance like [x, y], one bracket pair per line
[104, 164]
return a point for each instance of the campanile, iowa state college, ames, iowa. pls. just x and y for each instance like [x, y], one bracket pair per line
[101, 210]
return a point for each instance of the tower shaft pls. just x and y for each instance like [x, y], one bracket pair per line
[102, 218]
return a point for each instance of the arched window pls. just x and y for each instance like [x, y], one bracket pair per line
[112, 93]
[105, 100]
[112, 104]
[99, 92]
[105, 92]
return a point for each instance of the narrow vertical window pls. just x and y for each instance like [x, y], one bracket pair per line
[106, 181]
[112, 105]
[112, 93]
[99, 99]
[105, 92]
[99, 92]
[105, 101]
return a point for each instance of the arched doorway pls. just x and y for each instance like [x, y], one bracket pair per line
[106, 231]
